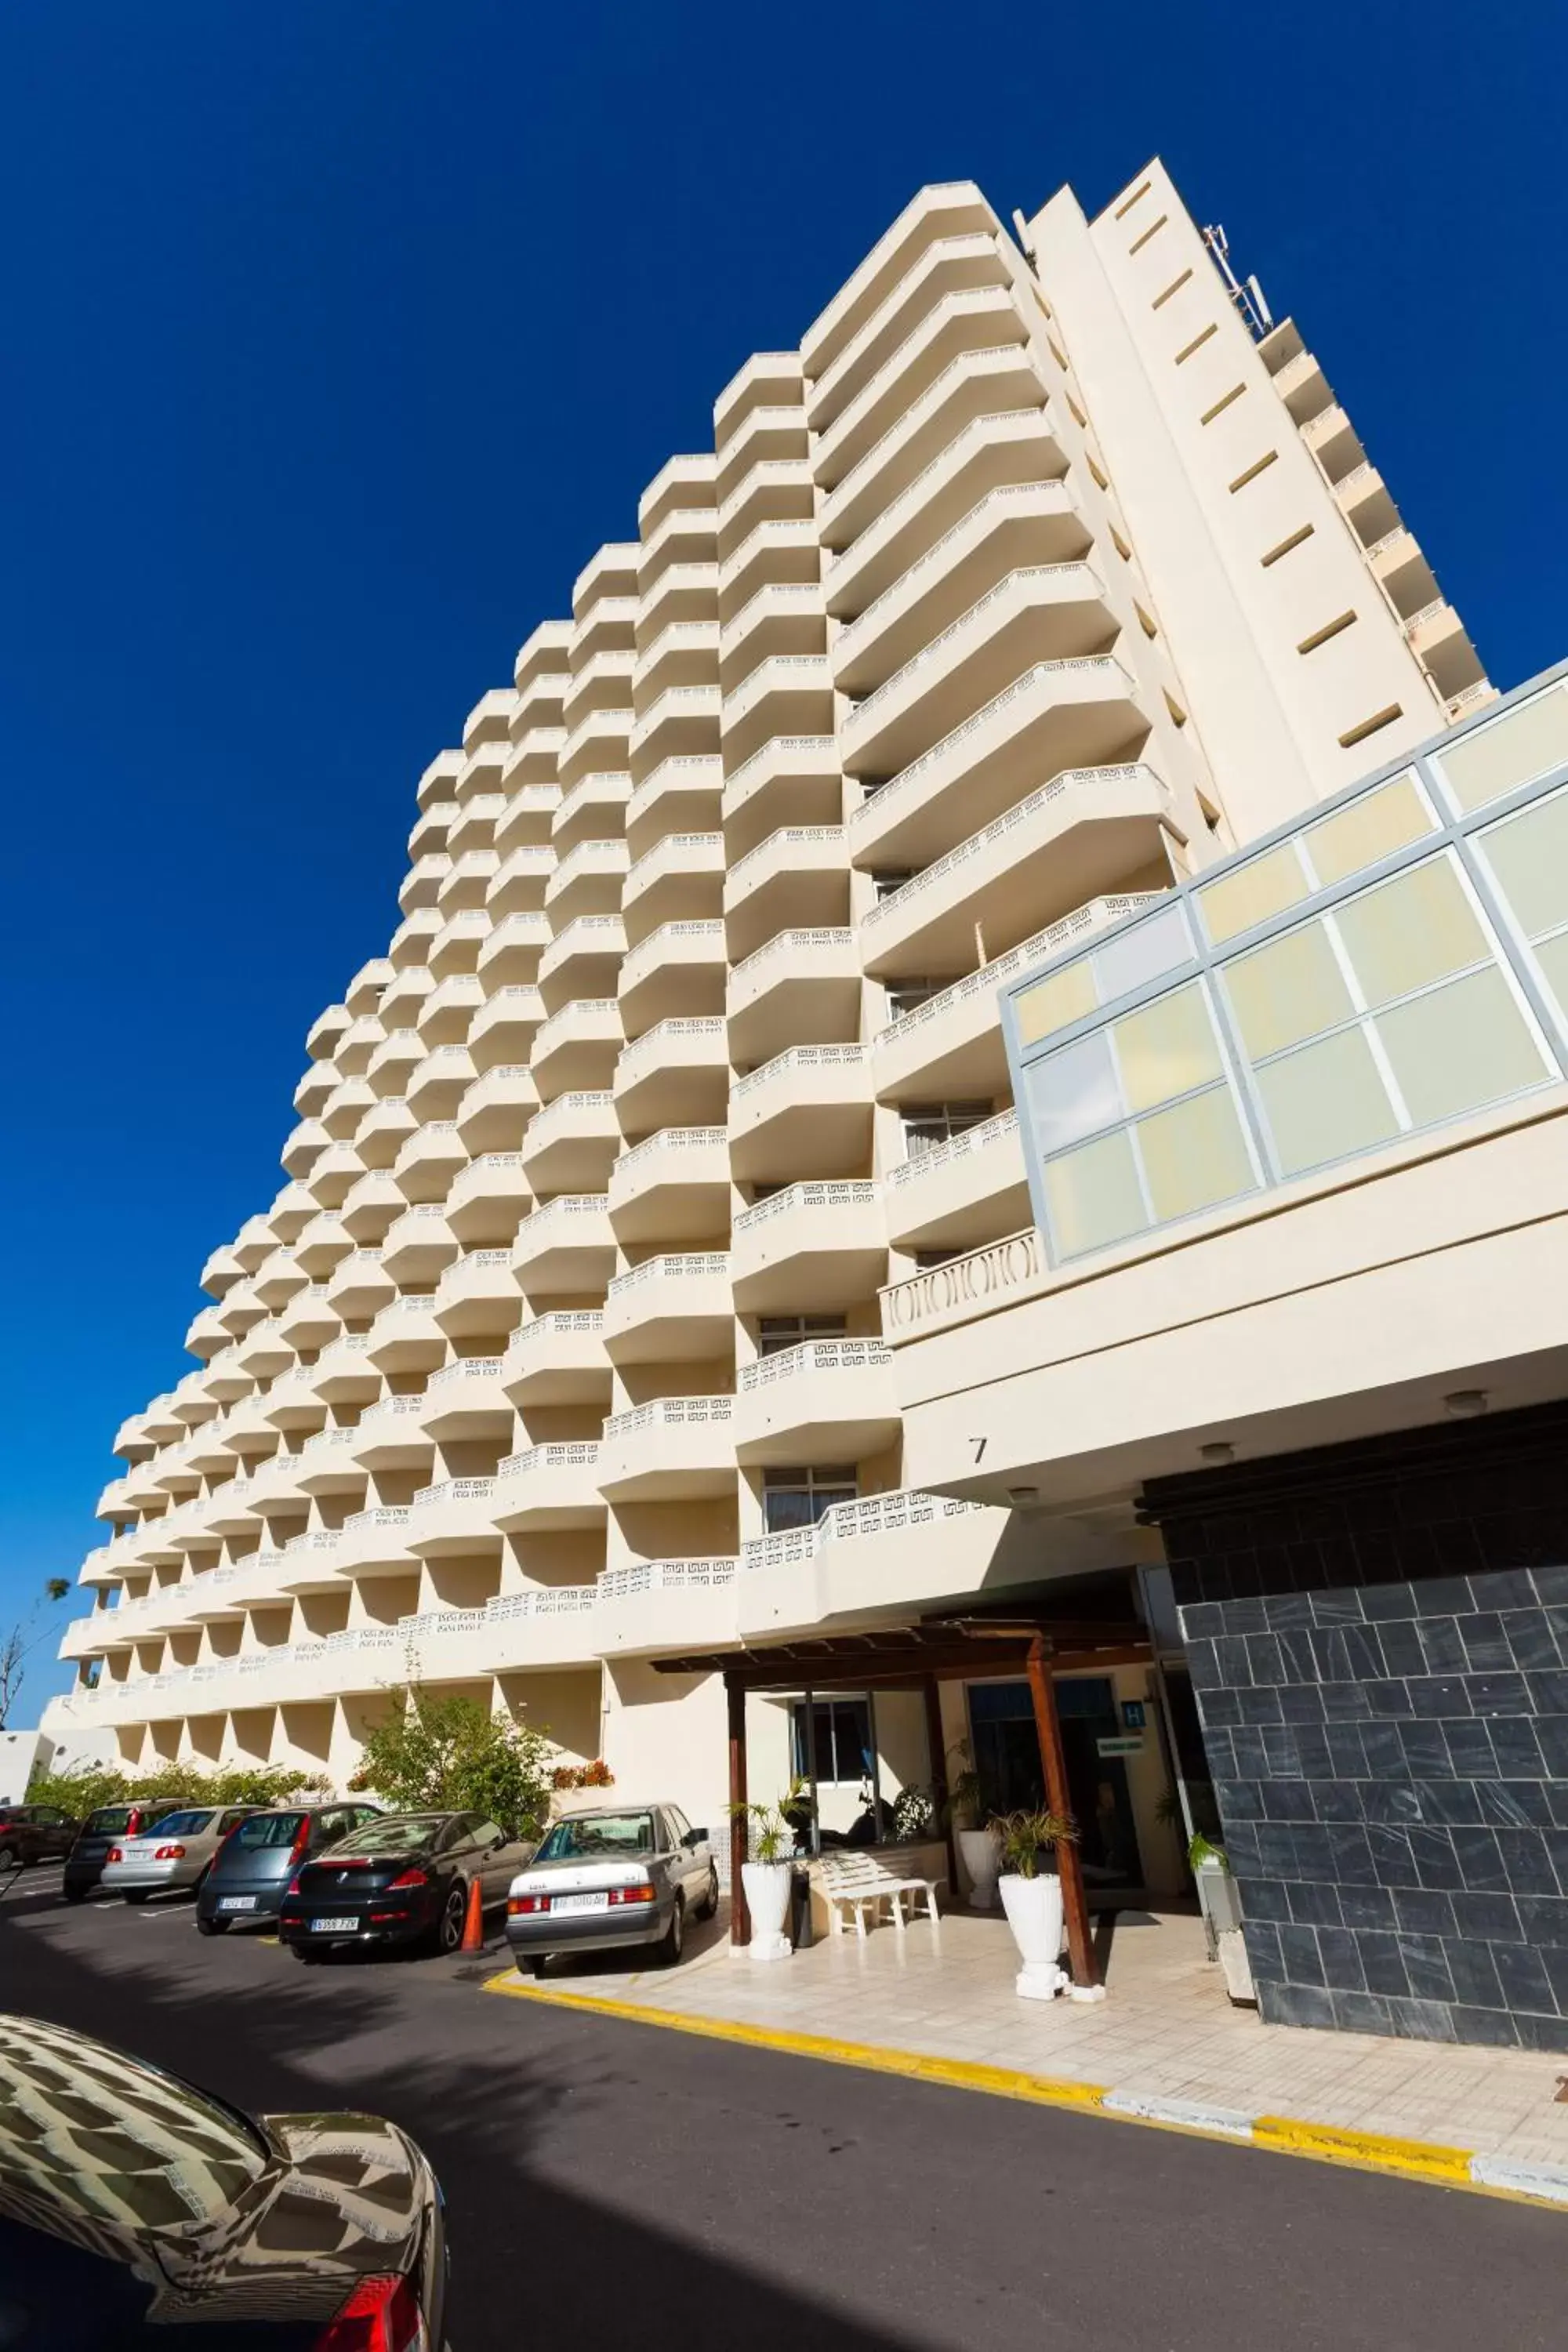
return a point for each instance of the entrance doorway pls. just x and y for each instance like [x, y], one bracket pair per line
[1007, 1760]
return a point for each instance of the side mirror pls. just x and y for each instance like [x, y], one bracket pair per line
[695, 1838]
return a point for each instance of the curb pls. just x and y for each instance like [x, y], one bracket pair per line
[1406, 2160]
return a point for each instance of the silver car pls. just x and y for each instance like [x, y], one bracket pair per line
[622, 1874]
[177, 1851]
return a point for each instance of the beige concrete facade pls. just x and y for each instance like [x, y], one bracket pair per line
[1031, 583]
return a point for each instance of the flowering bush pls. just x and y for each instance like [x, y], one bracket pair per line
[596, 1775]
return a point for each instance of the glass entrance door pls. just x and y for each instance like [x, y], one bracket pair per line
[1007, 1759]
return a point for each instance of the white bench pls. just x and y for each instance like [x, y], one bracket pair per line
[851, 1880]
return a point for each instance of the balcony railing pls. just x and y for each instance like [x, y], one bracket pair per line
[647, 952]
[1062, 573]
[785, 943]
[670, 1139]
[812, 1357]
[1103, 665]
[898, 1513]
[798, 1057]
[957, 1147]
[674, 1265]
[975, 431]
[852, 1193]
[654, 1041]
[929, 400]
[666, 1576]
[989, 977]
[670, 1412]
[1018, 814]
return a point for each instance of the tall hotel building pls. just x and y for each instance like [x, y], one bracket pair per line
[1046, 573]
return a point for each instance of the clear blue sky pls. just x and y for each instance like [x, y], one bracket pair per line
[337, 336]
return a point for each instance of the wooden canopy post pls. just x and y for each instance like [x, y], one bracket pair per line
[931, 1690]
[1069, 1868]
[740, 1843]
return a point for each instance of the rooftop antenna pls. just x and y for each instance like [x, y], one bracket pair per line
[1248, 298]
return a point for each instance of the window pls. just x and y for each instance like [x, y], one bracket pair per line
[1197, 342]
[777, 1332]
[1222, 404]
[928, 1125]
[1139, 242]
[1333, 628]
[680, 1827]
[487, 1832]
[616, 1835]
[1174, 287]
[893, 880]
[835, 1747]
[797, 1498]
[908, 995]
[1285, 546]
[1528, 858]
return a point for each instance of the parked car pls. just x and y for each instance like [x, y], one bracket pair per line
[626, 1874]
[103, 1827]
[34, 1833]
[176, 1850]
[404, 1879]
[209, 2227]
[259, 1856]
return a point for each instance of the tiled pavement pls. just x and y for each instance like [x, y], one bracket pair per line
[1165, 2031]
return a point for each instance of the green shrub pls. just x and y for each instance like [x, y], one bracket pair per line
[435, 1754]
[83, 1788]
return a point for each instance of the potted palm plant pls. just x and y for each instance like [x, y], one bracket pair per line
[765, 1873]
[974, 1836]
[1032, 1896]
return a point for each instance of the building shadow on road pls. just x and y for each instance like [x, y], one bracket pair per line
[533, 2259]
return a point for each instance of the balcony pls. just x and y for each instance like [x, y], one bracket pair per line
[675, 1447]
[406, 1337]
[314, 1089]
[559, 1358]
[303, 1146]
[465, 885]
[597, 744]
[961, 1193]
[785, 617]
[676, 1074]
[568, 1245]
[594, 810]
[978, 384]
[587, 881]
[442, 1079]
[952, 265]
[765, 379]
[786, 695]
[872, 1558]
[478, 1298]
[343, 1373]
[455, 951]
[674, 975]
[264, 1352]
[584, 960]
[510, 956]
[220, 1273]
[782, 554]
[570, 1146]
[531, 809]
[961, 323]
[798, 879]
[685, 481]
[519, 881]
[791, 780]
[680, 879]
[291, 1403]
[549, 1486]
[374, 1542]
[488, 1200]
[775, 427]
[602, 681]
[425, 1165]
[325, 1465]
[673, 1186]
[310, 1321]
[665, 1604]
[399, 1053]
[453, 1517]
[612, 571]
[808, 1249]
[803, 987]
[827, 1400]
[503, 1029]
[1058, 715]
[682, 652]
[807, 1112]
[466, 1401]
[675, 1308]
[494, 1114]
[419, 1247]
[383, 1132]
[576, 1049]
[682, 724]
[1052, 852]
[683, 595]
[335, 1174]
[773, 489]
[680, 796]
[990, 452]
[409, 942]
[392, 1435]
[1441, 644]
[953, 1041]
[320, 1039]
[608, 628]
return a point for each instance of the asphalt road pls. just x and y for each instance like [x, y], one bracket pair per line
[612, 2184]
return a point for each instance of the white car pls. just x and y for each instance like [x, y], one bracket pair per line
[176, 1851]
[621, 1874]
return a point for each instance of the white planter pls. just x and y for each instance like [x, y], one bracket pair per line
[767, 1899]
[1034, 1908]
[982, 1858]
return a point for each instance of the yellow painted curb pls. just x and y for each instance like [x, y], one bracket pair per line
[1413, 2159]
[1002, 2082]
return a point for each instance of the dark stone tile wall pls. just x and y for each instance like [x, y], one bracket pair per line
[1378, 1637]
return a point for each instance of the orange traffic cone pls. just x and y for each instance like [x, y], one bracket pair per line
[474, 1925]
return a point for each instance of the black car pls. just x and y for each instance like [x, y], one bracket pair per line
[403, 1880]
[34, 1833]
[247, 1875]
[90, 1850]
[136, 2210]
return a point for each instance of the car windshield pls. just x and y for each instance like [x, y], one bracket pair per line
[268, 1829]
[404, 1833]
[179, 1824]
[108, 1821]
[599, 1834]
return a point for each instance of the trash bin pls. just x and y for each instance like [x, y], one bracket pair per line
[800, 1934]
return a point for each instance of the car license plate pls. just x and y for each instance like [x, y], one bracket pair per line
[334, 1927]
[581, 1903]
[237, 1903]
